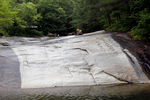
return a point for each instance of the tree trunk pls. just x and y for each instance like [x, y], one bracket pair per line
[109, 19]
[128, 8]
[118, 16]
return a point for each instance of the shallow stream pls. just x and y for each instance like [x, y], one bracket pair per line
[103, 92]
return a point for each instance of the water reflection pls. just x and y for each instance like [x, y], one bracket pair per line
[104, 92]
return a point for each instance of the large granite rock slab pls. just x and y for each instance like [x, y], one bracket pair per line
[90, 59]
[10, 79]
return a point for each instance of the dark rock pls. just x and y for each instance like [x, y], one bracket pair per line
[6, 44]
[140, 49]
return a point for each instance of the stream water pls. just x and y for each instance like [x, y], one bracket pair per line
[103, 92]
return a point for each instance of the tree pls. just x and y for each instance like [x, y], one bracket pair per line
[7, 16]
[86, 16]
[141, 12]
[67, 6]
[33, 1]
[94, 15]
[53, 17]
[28, 13]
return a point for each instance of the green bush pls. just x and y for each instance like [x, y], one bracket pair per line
[139, 34]
[106, 25]
[3, 33]
[117, 26]
[33, 32]
[125, 24]
[142, 30]
[16, 31]
[20, 31]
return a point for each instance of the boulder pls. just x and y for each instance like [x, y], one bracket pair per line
[6, 44]
[50, 35]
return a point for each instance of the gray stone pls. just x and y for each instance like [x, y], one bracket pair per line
[6, 44]
[51, 34]
[90, 59]
[10, 77]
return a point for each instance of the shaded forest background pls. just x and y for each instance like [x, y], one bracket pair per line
[39, 17]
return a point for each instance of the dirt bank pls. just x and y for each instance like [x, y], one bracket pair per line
[140, 49]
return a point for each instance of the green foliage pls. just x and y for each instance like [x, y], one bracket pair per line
[33, 1]
[16, 31]
[6, 16]
[28, 13]
[62, 16]
[52, 16]
[141, 34]
[113, 15]
[55, 16]
[124, 24]
[98, 14]
[33, 32]
[19, 30]
[85, 16]
[3, 33]
[142, 30]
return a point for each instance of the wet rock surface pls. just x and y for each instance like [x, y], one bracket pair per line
[140, 49]
[10, 78]
[90, 59]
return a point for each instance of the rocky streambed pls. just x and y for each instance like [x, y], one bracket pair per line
[91, 59]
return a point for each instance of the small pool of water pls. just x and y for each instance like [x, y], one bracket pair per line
[103, 92]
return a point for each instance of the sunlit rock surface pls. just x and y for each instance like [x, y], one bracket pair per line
[90, 59]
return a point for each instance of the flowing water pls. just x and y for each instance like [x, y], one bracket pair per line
[103, 92]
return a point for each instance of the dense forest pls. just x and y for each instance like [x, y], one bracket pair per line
[39, 17]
